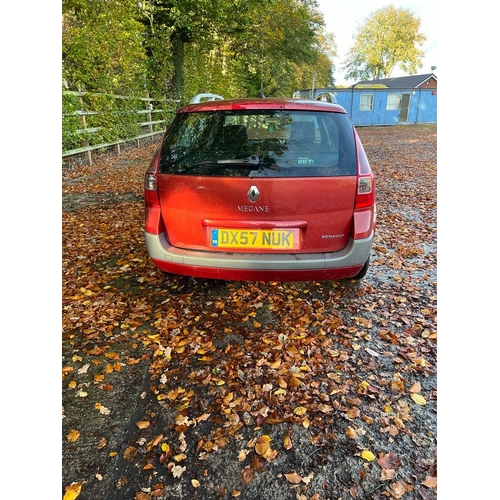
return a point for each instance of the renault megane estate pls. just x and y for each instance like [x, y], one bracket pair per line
[261, 189]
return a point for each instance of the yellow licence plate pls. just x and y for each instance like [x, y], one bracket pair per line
[255, 238]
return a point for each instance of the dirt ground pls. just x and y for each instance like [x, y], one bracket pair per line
[183, 388]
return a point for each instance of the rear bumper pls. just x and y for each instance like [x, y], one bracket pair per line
[239, 266]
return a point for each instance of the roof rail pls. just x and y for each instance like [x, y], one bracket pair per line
[327, 97]
[205, 97]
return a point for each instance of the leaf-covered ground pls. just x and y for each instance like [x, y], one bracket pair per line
[182, 388]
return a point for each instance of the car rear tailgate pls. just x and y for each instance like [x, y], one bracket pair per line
[262, 215]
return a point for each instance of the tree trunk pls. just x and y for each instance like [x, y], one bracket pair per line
[178, 58]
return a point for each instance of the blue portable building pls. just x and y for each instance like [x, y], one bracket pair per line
[389, 101]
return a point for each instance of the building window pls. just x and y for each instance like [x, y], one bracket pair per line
[366, 102]
[393, 102]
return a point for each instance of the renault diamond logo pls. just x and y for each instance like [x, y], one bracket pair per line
[253, 193]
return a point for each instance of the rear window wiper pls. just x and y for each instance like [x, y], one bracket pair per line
[250, 160]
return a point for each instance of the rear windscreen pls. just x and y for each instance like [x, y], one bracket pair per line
[263, 143]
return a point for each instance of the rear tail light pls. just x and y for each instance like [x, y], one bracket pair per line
[364, 185]
[150, 182]
[364, 208]
[365, 195]
[151, 196]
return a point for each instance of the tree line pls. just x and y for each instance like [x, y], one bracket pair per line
[237, 48]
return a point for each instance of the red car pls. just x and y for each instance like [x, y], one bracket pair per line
[263, 190]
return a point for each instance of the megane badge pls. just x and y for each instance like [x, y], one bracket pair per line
[253, 193]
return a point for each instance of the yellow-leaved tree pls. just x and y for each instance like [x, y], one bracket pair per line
[389, 37]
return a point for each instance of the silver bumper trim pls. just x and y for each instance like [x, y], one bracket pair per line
[354, 254]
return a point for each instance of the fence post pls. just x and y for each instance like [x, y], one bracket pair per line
[149, 115]
[86, 141]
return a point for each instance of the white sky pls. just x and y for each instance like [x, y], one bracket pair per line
[342, 18]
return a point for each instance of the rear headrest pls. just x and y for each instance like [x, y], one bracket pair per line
[234, 135]
[302, 132]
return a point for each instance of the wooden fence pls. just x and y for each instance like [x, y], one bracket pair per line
[87, 126]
